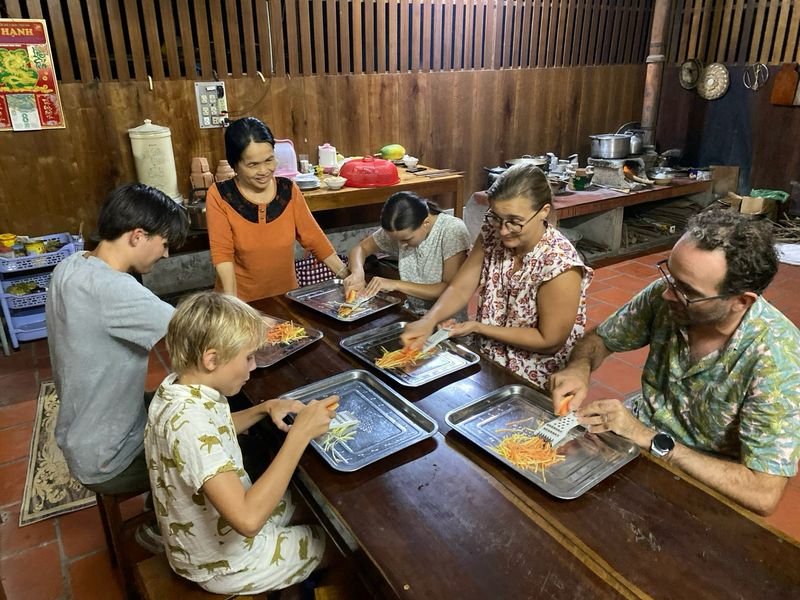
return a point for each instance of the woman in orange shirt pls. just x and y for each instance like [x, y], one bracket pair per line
[255, 218]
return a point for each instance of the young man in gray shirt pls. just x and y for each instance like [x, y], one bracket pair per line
[102, 324]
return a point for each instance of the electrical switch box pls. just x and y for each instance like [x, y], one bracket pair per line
[212, 105]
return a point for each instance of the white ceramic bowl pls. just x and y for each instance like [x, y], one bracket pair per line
[411, 162]
[335, 183]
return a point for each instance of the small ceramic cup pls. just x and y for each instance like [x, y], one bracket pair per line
[410, 162]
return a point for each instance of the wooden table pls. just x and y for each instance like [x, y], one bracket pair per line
[325, 199]
[442, 519]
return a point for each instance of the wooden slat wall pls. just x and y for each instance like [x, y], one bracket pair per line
[235, 38]
[174, 39]
[735, 32]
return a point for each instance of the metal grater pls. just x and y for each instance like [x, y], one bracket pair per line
[344, 419]
[556, 430]
[435, 339]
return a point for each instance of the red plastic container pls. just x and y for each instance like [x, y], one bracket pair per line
[369, 172]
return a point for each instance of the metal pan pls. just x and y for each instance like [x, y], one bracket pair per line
[387, 421]
[368, 346]
[589, 458]
[326, 297]
[269, 355]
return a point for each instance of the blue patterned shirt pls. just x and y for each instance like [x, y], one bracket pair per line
[741, 401]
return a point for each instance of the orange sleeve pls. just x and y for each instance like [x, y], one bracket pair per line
[307, 230]
[220, 234]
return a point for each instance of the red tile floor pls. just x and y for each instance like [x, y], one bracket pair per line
[66, 557]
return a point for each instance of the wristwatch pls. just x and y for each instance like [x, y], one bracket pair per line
[661, 444]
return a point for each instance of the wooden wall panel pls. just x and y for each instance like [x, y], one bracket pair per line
[459, 119]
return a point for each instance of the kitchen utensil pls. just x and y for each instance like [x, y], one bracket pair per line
[435, 339]
[334, 183]
[269, 354]
[389, 421]
[588, 458]
[327, 155]
[369, 172]
[785, 86]
[689, 73]
[636, 142]
[370, 345]
[755, 76]
[714, 81]
[286, 159]
[307, 181]
[662, 179]
[556, 430]
[581, 180]
[410, 162]
[557, 184]
[611, 145]
[328, 296]
[197, 214]
[527, 159]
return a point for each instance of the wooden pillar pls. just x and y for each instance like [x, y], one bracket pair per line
[655, 72]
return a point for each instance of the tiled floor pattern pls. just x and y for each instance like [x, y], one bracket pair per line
[66, 557]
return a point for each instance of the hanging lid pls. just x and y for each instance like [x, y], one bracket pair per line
[149, 129]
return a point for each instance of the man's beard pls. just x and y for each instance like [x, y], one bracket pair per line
[687, 316]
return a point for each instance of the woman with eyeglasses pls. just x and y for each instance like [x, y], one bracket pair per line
[430, 246]
[255, 218]
[530, 280]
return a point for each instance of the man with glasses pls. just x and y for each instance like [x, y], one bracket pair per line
[720, 394]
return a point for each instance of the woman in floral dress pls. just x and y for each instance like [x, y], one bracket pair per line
[530, 280]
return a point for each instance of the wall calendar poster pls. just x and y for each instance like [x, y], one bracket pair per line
[29, 97]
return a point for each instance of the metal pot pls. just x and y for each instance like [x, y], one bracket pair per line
[611, 145]
[527, 159]
[197, 214]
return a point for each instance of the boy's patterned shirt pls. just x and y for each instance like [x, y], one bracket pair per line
[189, 438]
[741, 401]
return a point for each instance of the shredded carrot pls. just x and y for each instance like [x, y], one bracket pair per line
[397, 359]
[285, 333]
[528, 452]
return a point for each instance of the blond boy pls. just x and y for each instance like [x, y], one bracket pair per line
[222, 531]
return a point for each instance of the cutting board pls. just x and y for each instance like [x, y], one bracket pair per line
[785, 86]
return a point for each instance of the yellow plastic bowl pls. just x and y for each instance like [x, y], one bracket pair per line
[8, 239]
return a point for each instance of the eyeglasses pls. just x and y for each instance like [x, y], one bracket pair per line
[513, 226]
[679, 294]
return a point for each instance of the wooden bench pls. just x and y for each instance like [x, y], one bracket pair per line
[155, 580]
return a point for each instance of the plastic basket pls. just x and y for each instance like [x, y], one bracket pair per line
[49, 259]
[30, 325]
[28, 300]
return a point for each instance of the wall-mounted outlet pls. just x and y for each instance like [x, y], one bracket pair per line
[212, 105]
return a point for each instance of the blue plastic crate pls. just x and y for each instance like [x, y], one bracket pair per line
[49, 259]
[28, 300]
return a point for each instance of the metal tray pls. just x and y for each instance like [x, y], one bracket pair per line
[325, 297]
[368, 346]
[269, 355]
[388, 422]
[590, 458]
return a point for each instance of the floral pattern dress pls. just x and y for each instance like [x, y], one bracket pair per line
[508, 299]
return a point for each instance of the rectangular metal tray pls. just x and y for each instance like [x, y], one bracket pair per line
[368, 346]
[589, 458]
[388, 422]
[269, 355]
[325, 297]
